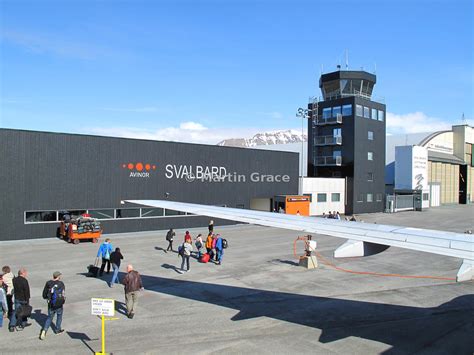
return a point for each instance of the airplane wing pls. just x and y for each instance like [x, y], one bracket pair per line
[363, 237]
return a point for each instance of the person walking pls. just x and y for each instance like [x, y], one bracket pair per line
[54, 292]
[115, 259]
[219, 249]
[132, 283]
[3, 301]
[22, 298]
[169, 237]
[185, 252]
[8, 281]
[209, 244]
[104, 252]
[214, 250]
[199, 245]
[188, 238]
[211, 226]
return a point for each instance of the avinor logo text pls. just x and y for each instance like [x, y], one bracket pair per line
[139, 170]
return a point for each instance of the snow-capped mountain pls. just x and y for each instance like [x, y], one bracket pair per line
[266, 138]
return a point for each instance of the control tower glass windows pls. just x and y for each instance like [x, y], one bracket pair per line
[381, 115]
[336, 111]
[359, 111]
[326, 113]
[331, 89]
[366, 112]
[347, 110]
[370, 155]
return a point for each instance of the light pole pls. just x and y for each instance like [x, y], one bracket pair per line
[303, 113]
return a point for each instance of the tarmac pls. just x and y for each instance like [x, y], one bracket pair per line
[258, 301]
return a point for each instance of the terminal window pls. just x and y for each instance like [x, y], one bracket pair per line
[370, 155]
[40, 216]
[336, 111]
[378, 197]
[335, 197]
[370, 176]
[360, 198]
[370, 135]
[359, 111]
[321, 197]
[370, 197]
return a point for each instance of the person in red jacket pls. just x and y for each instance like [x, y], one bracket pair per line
[188, 238]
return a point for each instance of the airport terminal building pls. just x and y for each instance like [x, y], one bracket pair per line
[45, 176]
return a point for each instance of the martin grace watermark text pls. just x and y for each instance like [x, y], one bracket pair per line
[237, 178]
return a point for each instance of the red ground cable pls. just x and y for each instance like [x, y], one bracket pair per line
[328, 263]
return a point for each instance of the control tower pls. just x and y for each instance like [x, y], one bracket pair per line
[346, 138]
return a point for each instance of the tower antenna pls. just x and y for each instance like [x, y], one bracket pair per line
[347, 59]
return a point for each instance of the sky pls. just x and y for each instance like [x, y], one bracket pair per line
[202, 71]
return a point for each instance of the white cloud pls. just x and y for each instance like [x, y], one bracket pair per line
[186, 132]
[416, 122]
[192, 126]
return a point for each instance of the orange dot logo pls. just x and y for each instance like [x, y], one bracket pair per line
[139, 166]
[130, 166]
[147, 167]
[154, 167]
[124, 166]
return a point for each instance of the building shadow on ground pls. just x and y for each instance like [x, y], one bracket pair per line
[407, 329]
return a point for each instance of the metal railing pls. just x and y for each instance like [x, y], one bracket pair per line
[326, 161]
[329, 120]
[315, 99]
[327, 140]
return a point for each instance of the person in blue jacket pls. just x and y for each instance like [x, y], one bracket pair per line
[219, 249]
[104, 252]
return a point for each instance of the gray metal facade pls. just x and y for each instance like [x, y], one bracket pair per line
[41, 171]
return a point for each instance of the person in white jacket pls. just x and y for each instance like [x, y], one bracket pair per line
[185, 251]
[8, 280]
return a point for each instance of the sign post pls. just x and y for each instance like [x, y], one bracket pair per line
[102, 307]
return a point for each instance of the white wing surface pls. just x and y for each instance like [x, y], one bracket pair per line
[359, 234]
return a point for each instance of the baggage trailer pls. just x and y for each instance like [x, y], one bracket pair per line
[73, 233]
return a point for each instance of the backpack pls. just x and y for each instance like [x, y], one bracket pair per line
[56, 296]
[198, 244]
[181, 250]
[224, 243]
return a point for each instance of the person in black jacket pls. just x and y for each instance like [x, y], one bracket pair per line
[115, 259]
[55, 293]
[22, 297]
[169, 237]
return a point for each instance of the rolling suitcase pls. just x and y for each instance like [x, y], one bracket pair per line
[204, 258]
[93, 270]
